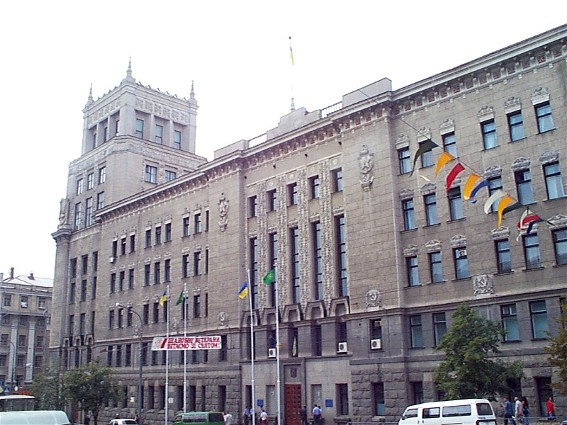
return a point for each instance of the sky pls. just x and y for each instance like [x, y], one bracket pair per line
[237, 55]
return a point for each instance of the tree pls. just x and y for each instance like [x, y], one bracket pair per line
[557, 350]
[468, 370]
[48, 389]
[91, 386]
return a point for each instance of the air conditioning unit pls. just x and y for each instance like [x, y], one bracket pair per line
[342, 347]
[376, 344]
[271, 353]
[112, 259]
[462, 252]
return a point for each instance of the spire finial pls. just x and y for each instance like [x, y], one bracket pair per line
[129, 71]
[292, 104]
[192, 95]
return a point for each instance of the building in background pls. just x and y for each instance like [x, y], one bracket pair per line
[24, 329]
[365, 211]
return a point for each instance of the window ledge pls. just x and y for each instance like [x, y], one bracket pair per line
[512, 341]
[504, 273]
[533, 269]
[408, 230]
[457, 220]
[553, 199]
[462, 279]
[431, 225]
[437, 283]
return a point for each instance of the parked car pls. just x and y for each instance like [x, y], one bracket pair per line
[122, 422]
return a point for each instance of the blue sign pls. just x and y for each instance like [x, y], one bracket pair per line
[260, 402]
[328, 403]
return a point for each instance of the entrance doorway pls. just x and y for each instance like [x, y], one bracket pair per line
[292, 397]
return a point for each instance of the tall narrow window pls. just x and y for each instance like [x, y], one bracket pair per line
[544, 117]
[488, 130]
[292, 194]
[147, 273]
[524, 187]
[337, 177]
[494, 184]
[148, 239]
[167, 270]
[317, 261]
[455, 203]
[177, 139]
[416, 331]
[197, 263]
[272, 200]
[139, 131]
[151, 174]
[553, 181]
[531, 251]
[159, 134]
[430, 202]
[252, 206]
[404, 160]
[167, 232]
[185, 265]
[503, 257]
[341, 255]
[409, 214]
[439, 327]
[253, 255]
[516, 126]
[100, 200]
[461, 263]
[157, 272]
[273, 259]
[560, 246]
[186, 225]
[198, 223]
[101, 175]
[294, 254]
[426, 157]
[80, 186]
[450, 143]
[342, 399]
[510, 322]
[78, 210]
[315, 187]
[88, 211]
[158, 235]
[412, 271]
[435, 267]
[538, 313]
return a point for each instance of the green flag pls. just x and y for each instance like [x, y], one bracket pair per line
[181, 298]
[270, 277]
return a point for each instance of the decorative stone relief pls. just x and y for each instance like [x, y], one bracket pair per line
[223, 318]
[486, 113]
[366, 164]
[424, 133]
[406, 194]
[512, 104]
[428, 188]
[447, 126]
[402, 141]
[223, 212]
[483, 284]
[410, 251]
[433, 246]
[491, 172]
[521, 164]
[458, 241]
[373, 298]
[501, 232]
[549, 156]
[557, 221]
[64, 212]
[540, 95]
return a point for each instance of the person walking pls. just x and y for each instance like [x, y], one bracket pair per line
[550, 407]
[317, 415]
[525, 411]
[518, 410]
[303, 415]
[228, 418]
[508, 411]
[246, 415]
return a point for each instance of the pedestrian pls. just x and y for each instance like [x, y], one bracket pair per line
[246, 414]
[87, 420]
[263, 417]
[303, 415]
[316, 415]
[227, 418]
[518, 410]
[525, 410]
[508, 411]
[550, 407]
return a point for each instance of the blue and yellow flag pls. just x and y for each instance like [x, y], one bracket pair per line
[243, 293]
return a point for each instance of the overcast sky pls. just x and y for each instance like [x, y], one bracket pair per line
[237, 55]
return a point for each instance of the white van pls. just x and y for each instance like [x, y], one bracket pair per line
[36, 417]
[452, 412]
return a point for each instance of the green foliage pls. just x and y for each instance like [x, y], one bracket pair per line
[91, 386]
[48, 389]
[468, 370]
[557, 351]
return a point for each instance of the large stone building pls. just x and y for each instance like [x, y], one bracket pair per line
[371, 258]
[24, 329]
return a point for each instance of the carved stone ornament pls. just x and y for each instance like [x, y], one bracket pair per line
[424, 133]
[406, 194]
[483, 284]
[433, 246]
[366, 164]
[458, 241]
[512, 104]
[501, 232]
[521, 164]
[64, 211]
[410, 251]
[557, 221]
[549, 156]
[223, 212]
[486, 113]
[491, 172]
[540, 95]
[428, 188]
[373, 298]
[223, 318]
[402, 141]
[447, 126]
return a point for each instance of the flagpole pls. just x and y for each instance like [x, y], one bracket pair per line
[291, 75]
[253, 379]
[184, 351]
[277, 347]
[167, 363]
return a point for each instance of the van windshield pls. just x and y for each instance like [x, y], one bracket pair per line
[410, 413]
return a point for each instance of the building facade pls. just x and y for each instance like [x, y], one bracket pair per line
[24, 329]
[379, 215]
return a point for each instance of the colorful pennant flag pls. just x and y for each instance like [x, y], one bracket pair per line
[291, 52]
[496, 196]
[504, 202]
[527, 221]
[243, 292]
[458, 168]
[294, 347]
[480, 185]
[163, 298]
[270, 277]
[469, 185]
[423, 147]
[181, 298]
[444, 158]
[513, 207]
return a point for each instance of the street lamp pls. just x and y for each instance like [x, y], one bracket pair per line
[13, 387]
[139, 392]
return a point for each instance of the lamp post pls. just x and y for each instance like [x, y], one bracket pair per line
[140, 369]
[13, 387]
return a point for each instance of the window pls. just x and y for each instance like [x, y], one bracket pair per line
[404, 160]
[531, 251]
[90, 181]
[376, 329]
[272, 200]
[122, 247]
[488, 130]
[435, 267]
[177, 139]
[88, 211]
[412, 271]
[80, 186]
[430, 202]
[461, 263]
[426, 157]
[197, 264]
[439, 327]
[159, 134]
[170, 175]
[455, 203]
[101, 175]
[292, 194]
[185, 265]
[315, 187]
[198, 223]
[503, 257]
[450, 144]
[186, 226]
[553, 181]
[341, 255]
[167, 270]
[147, 273]
[494, 184]
[196, 306]
[157, 272]
[316, 232]
[510, 322]
[516, 126]
[100, 200]
[295, 264]
[131, 275]
[77, 221]
[252, 206]
[158, 235]
[337, 176]
[167, 232]
[560, 246]
[342, 399]
[151, 174]
[538, 314]
[148, 240]
[139, 131]
[544, 118]
[524, 187]
[409, 214]
[416, 331]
